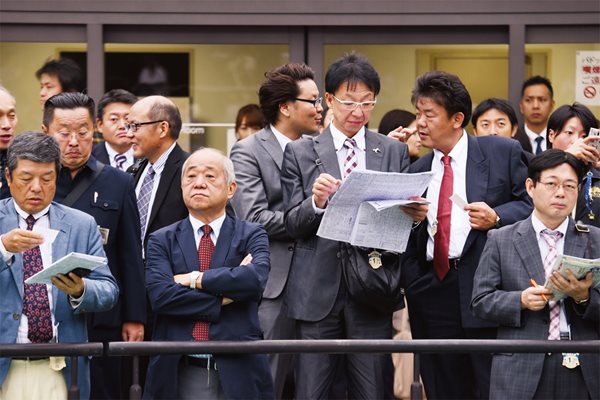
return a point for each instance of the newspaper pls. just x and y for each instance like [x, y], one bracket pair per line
[68, 263]
[580, 268]
[365, 210]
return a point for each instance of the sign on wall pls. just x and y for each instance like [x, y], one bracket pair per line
[587, 78]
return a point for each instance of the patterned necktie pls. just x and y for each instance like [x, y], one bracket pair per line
[143, 199]
[441, 240]
[551, 239]
[538, 148]
[35, 303]
[206, 248]
[351, 160]
[120, 160]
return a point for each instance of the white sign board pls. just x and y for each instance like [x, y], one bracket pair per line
[587, 78]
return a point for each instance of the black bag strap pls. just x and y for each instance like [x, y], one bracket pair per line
[83, 185]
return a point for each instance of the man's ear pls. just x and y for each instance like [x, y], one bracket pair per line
[7, 175]
[44, 129]
[458, 119]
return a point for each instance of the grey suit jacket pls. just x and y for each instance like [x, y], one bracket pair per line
[510, 258]
[316, 270]
[77, 232]
[259, 198]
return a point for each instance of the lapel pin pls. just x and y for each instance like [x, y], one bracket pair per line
[376, 150]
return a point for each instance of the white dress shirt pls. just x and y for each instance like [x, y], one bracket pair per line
[112, 153]
[215, 226]
[459, 221]
[281, 138]
[532, 136]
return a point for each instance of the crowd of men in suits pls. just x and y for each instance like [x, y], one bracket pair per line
[206, 247]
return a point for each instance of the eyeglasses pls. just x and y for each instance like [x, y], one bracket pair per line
[134, 126]
[353, 105]
[316, 102]
[568, 187]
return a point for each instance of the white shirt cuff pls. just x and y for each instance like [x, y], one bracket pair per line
[6, 255]
[318, 210]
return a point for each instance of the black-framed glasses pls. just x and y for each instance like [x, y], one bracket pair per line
[134, 126]
[316, 102]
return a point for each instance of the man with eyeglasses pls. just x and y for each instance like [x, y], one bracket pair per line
[289, 99]
[108, 195]
[113, 110]
[316, 296]
[503, 292]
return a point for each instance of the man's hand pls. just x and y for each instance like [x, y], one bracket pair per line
[247, 260]
[584, 151]
[132, 332]
[532, 299]
[481, 216]
[416, 211]
[70, 284]
[325, 185]
[19, 240]
[578, 289]
[402, 134]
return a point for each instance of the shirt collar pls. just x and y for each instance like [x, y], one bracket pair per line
[159, 165]
[458, 152]
[112, 152]
[532, 135]
[281, 138]
[25, 214]
[214, 225]
[339, 138]
[538, 226]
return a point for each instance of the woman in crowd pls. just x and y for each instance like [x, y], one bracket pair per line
[248, 121]
[402, 125]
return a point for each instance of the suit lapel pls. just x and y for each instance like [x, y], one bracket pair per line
[529, 251]
[575, 242]
[223, 242]
[139, 168]
[60, 246]
[166, 178]
[266, 138]
[373, 150]
[187, 244]
[9, 220]
[326, 155]
[477, 172]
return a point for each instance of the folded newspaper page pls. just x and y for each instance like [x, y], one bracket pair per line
[365, 211]
[81, 263]
[580, 268]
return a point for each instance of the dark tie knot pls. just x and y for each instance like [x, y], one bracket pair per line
[206, 229]
[30, 220]
[151, 171]
[350, 143]
[539, 139]
[551, 237]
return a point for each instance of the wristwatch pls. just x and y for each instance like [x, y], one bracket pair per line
[579, 302]
[498, 224]
[193, 278]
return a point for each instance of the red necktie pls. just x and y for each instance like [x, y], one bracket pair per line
[206, 248]
[441, 240]
[35, 302]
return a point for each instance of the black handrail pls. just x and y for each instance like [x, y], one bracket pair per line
[417, 347]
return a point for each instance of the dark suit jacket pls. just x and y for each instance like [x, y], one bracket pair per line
[582, 213]
[259, 198]
[168, 206]
[510, 258]
[4, 190]
[172, 251]
[115, 208]
[316, 270]
[100, 153]
[495, 174]
[522, 138]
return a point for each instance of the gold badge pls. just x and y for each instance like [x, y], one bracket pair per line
[595, 191]
[570, 360]
[375, 259]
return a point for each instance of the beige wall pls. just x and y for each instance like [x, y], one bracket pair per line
[225, 77]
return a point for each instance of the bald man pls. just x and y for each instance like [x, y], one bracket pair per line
[8, 122]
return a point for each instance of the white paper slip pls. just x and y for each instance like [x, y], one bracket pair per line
[48, 234]
[460, 203]
[70, 262]
[383, 204]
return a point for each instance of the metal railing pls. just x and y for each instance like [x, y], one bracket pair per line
[416, 347]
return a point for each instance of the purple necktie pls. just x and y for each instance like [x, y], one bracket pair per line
[35, 302]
